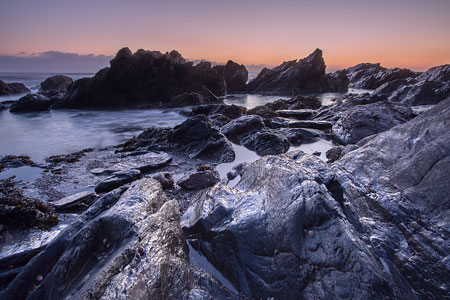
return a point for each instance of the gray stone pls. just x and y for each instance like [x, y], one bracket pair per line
[299, 114]
[199, 180]
[165, 179]
[76, 202]
[145, 163]
[117, 179]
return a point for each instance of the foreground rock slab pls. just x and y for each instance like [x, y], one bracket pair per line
[117, 179]
[126, 246]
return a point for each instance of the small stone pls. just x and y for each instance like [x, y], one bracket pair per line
[317, 153]
[39, 278]
[105, 240]
[311, 233]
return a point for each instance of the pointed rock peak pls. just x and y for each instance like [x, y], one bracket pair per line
[177, 57]
[315, 57]
[121, 54]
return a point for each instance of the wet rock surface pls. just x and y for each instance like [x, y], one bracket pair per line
[305, 76]
[134, 236]
[117, 179]
[74, 203]
[199, 180]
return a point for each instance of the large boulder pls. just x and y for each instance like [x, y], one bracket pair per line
[420, 93]
[283, 232]
[7, 89]
[151, 79]
[127, 246]
[55, 85]
[196, 137]
[236, 77]
[251, 132]
[294, 77]
[371, 76]
[32, 102]
[361, 121]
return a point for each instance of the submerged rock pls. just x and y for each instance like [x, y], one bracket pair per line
[12, 88]
[55, 85]
[294, 77]
[153, 79]
[124, 246]
[32, 102]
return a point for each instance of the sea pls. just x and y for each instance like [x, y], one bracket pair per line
[62, 131]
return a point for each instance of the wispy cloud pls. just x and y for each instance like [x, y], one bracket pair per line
[52, 61]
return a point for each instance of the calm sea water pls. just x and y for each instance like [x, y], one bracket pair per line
[41, 134]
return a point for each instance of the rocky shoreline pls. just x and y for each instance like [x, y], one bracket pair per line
[371, 223]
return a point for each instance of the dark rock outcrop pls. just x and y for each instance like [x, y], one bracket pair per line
[12, 88]
[32, 102]
[196, 138]
[251, 132]
[437, 74]
[153, 79]
[371, 76]
[294, 77]
[126, 246]
[55, 85]
[235, 76]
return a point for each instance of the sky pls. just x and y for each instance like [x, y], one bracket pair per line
[83, 35]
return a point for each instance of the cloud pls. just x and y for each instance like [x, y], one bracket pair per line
[53, 62]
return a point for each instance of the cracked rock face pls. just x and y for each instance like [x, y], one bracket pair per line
[127, 246]
[283, 233]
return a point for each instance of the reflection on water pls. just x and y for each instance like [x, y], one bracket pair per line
[41, 134]
[25, 173]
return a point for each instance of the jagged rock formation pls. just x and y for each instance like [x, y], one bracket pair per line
[294, 77]
[151, 79]
[371, 76]
[372, 225]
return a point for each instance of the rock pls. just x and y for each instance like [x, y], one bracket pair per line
[288, 123]
[334, 153]
[165, 179]
[32, 102]
[371, 76]
[421, 93]
[125, 246]
[270, 110]
[294, 77]
[298, 114]
[401, 179]
[199, 180]
[363, 120]
[12, 88]
[196, 137]
[251, 132]
[235, 76]
[145, 163]
[266, 142]
[152, 79]
[230, 111]
[437, 74]
[282, 233]
[297, 136]
[55, 85]
[74, 203]
[117, 179]
[18, 211]
[241, 127]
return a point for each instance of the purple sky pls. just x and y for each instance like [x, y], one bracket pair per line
[405, 33]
